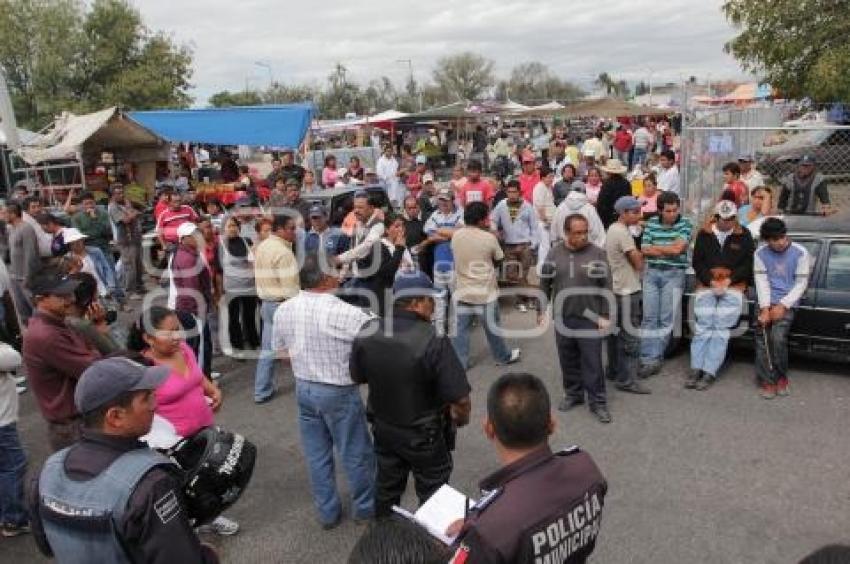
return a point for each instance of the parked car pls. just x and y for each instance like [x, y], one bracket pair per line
[337, 200]
[831, 148]
[821, 325]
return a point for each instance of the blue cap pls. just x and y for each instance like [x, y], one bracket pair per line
[625, 203]
[317, 211]
[807, 160]
[107, 379]
[413, 285]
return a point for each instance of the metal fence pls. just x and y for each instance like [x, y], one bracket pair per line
[776, 143]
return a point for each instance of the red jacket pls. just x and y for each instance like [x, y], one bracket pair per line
[622, 140]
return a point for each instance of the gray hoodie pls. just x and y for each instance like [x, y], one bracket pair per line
[576, 202]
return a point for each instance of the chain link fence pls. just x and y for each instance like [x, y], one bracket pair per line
[775, 138]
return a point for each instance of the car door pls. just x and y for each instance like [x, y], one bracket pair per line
[831, 325]
[805, 317]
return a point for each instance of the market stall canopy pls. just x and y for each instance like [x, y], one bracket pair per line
[283, 125]
[378, 120]
[549, 109]
[107, 130]
[610, 108]
[26, 136]
[458, 110]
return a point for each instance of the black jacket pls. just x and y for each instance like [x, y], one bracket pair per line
[612, 190]
[735, 259]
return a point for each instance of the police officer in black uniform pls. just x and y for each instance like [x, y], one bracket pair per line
[109, 498]
[542, 506]
[418, 393]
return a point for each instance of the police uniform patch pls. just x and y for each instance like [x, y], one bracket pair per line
[487, 499]
[167, 507]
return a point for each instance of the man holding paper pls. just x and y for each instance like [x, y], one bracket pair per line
[418, 393]
[541, 506]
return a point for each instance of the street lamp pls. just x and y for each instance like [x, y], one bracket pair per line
[649, 78]
[268, 67]
[410, 68]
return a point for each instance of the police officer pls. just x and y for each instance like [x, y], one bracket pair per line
[542, 506]
[418, 393]
[109, 498]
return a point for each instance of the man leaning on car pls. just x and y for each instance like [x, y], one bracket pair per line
[803, 189]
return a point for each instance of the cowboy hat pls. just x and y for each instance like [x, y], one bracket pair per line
[614, 166]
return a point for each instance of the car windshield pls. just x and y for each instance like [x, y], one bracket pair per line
[806, 138]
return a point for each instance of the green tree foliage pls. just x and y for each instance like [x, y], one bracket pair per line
[73, 55]
[534, 83]
[245, 98]
[464, 76]
[801, 47]
[613, 87]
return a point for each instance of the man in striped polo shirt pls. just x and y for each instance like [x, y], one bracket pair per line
[665, 245]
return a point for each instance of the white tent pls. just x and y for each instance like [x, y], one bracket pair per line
[72, 136]
[25, 135]
[380, 118]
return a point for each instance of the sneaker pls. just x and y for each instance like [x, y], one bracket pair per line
[693, 379]
[783, 387]
[601, 413]
[9, 530]
[214, 376]
[649, 369]
[522, 307]
[21, 389]
[266, 399]
[332, 525]
[634, 388]
[705, 382]
[20, 379]
[569, 403]
[515, 354]
[768, 391]
[221, 526]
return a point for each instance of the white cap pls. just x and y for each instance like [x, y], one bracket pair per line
[186, 229]
[726, 209]
[71, 234]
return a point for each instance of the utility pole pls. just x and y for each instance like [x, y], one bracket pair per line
[412, 83]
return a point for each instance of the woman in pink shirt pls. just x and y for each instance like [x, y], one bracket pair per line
[329, 173]
[649, 199]
[593, 185]
[186, 399]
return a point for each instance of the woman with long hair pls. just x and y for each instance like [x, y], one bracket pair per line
[761, 204]
[237, 263]
[329, 173]
[186, 399]
[593, 185]
[390, 252]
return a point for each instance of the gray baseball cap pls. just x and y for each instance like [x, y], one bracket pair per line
[107, 379]
[625, 203]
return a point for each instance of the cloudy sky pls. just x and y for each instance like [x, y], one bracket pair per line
[578, 39]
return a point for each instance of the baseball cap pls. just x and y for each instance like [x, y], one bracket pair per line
[186, 229]
[107, 379]
[445, 194]
[421, 159]
[414, 284]
[745, 158]
[317, 211]
[53, 284]
[71, 234]
[807, 160]
[625, 203]
[291, 181]
[726, 209]
[427, 177]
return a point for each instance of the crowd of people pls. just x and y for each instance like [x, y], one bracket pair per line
[365, 297]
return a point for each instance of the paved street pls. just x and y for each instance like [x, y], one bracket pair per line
[714, 477]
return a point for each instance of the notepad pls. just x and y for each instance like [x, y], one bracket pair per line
[446, 506]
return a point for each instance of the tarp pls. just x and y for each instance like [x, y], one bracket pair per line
[610, 108]
[549, 109]
[276, 125]
[457, 110]
[26, 136]
[377, 120]
[107, 130]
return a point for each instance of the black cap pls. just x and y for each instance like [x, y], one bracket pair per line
[50, 284]
[107, 379]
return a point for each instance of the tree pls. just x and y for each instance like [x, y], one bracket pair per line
[797, 47]
[533, 82]
[617, 88]
[464, 76]
[641, 88]
[73, 55]
[226, 98]
[279, 93]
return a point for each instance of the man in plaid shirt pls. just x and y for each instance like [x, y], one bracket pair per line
[315, 330]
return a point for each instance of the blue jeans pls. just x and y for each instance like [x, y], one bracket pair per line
[490, 319]
[105, 268]
[638, 156]
[264, 380]
[662, 296]
[13, 466]
[715, 316]
[333, 416]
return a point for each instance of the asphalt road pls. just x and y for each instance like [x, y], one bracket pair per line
[720, 476]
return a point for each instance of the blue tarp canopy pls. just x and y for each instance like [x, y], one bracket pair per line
[276, 125]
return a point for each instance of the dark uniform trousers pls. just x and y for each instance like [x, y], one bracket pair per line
[420, 450]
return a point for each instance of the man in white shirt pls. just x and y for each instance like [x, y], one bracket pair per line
[387, 171]
[315, 330]
[370, 229]
[749, 175]
[668, 176]
[643, 141]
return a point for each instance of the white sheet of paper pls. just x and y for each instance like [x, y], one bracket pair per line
[442, 509]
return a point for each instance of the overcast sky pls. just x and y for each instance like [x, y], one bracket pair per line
[578, 39]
